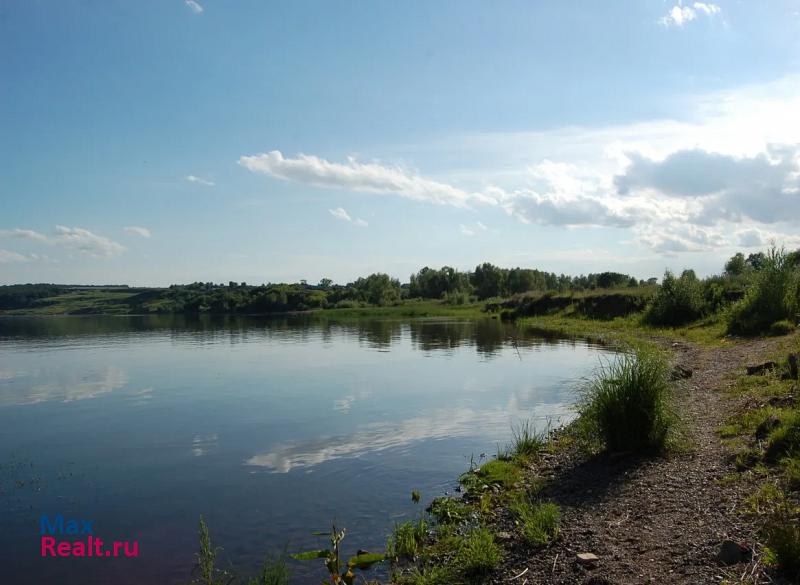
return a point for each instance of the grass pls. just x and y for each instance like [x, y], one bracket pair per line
[479, 553]
[407, 539]
[80, 301]
[772, 463]
[785, 439]
[626, 330]
[497, 472]
[274, 571]
[539, 522]
[627, 402]
[526, 441]
[447, 510]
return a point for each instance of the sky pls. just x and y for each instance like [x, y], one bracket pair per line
[172, 141]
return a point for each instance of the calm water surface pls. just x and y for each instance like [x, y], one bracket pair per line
[268, 428]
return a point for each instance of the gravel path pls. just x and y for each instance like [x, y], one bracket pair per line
[652, 520]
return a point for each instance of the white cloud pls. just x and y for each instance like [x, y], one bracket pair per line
[7, 257]
[764, 188]
[199, 180]
[137, 230]
[74, 238]
[196, 8]
[341, 214]
[86, 242]
[680, 15]
[356, 176]
[481, 226]
[725, 174]
[26, 234]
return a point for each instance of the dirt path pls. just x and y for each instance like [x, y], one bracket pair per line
[652, 521]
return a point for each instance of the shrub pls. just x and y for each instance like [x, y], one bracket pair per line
[539, 522]
[627, 402]
[479, 553]
[782, 327]
[772, 297]
[677, 301]
[457, 297]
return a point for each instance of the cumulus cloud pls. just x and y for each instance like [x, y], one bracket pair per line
[357, 176]
[199, 180]
[195, 7]
[764, 188]
[466, 231]
[680, 15]
[138, 231]
[86, 242]
[73, 238]
[727, 174]
[340, 213]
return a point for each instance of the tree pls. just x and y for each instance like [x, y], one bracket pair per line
[489, 280]
[736, 265]
[325, 283]
[756, 261]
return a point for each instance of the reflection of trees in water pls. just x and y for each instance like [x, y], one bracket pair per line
[488, 336]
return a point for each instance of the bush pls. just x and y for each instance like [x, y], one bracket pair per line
[457, 297]
[539, 522]
[677, 301]
[772, 297]
[783, 327]
[627, 403]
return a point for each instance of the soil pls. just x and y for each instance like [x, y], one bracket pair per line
[654, 520]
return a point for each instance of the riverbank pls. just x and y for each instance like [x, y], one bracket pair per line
[638, 519]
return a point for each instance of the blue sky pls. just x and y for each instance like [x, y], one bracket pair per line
[172, 141]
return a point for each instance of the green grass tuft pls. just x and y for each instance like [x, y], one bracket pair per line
[526, 441]
[407, 539]
[479, 553]
[627, 402]
[540, 523]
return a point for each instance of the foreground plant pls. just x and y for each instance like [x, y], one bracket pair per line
[626, 405]
[540, 523]
[273, 572]
[340, 573]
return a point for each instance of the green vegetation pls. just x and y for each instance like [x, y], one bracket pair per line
[765, 437]
[678, 300]
[407, 539]
[526, 441]
[479, 553]
[274, 571]
[340, 573]
[627, 402]
[773, 296]
[446, 286]
[539, 522]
